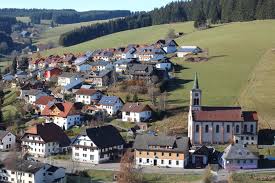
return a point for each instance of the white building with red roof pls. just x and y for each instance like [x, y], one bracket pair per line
[63, 114]
[42, 102]
[219, 125]
[136, 112]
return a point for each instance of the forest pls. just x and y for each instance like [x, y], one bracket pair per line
[65, 16]
[212, 11]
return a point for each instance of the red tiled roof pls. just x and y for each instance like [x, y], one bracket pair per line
[83, 91]
[224, 114]
[44, 100]
[135, 107]
[64, 109]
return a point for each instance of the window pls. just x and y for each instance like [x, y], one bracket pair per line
[206, 129]
[155, 153]
[147, 153]
[91, 157]
[238, 161]
[140, 160]
[84, 149]
[170, 162]
[140, 152]
[177, 154]
[197, 128]
[177, 162]
[84, 155]
[245, 128]
[30, 175]
[251, 161]
[162, 161]
[237, 129]
[217, 128]
[162, 153]
[169, 154]
[242, 138]
[147, 160]
[251, 128]
[228, 128]
[247, 138]
[244, 161]
[252, 138]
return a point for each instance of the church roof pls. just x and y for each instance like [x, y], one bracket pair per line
[224, 114]
[196, 82]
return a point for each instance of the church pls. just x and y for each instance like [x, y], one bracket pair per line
[219, 125]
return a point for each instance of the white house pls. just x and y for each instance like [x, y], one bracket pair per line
[110, 104]
[45, 139]
[7, 140]
[161, 151]
[136, 112]
[31, 172]
[88, 96]
[238, 156]
[32, 95]
[186, 50]
[67, 78]
[97, 145]
[219, 125]
[122, 65]
[63, 114]
[101, 65]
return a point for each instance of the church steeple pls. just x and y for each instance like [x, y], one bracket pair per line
[195, 95]
[196, 82]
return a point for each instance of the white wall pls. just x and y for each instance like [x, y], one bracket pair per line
[136, 117]
[181, 163]
[7, 142]
[67, 123]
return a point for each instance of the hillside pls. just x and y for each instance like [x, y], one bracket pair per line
[235, 49]
[53, 34]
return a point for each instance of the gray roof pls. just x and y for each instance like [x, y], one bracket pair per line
[178, 144]
[33, 92]
[3, 134]
[69, 75]
[24, 166]
[108, 100]
[238, 151]
[141, 69]
[100, 63]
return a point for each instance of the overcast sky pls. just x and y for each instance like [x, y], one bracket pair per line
[84, 5]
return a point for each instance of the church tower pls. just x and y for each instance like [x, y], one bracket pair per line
[195, 96]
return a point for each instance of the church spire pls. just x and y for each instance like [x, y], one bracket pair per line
[196, 82]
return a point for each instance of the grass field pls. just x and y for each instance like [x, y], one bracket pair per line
[259, 93]
[143, 35]
[253, 178]
[107, 176]
[23, 19]
[234, 49]
[52, 35]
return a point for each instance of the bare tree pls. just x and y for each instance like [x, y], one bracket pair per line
[128, 173]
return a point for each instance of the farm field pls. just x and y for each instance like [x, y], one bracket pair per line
[52, 35]
[234, 49]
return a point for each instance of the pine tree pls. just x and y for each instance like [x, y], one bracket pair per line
[135, 98]
[226, 10]
[200, 21]
[14, 65]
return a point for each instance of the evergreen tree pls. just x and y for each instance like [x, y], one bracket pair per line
[128, 98]
[14, 65]
[135, 98]
[200, 20]
[226, 10]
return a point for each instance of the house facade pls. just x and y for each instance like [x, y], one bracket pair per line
[45, 139]
[63, 114]
[67, 78]
[161, 151]
[88, 96]
[110, 104]
[31, 172]
[238, 156]
[219, 125]
[98, 145]
[136, 112]
[7, 140]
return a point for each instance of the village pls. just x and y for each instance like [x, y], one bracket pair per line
[72, 102]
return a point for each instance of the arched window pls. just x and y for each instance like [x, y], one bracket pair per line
[228, 128]
[251, 128]
[206, 129]
[197, 128]
[217, 128]
[196, 101]
[245, 128]
[237, 129]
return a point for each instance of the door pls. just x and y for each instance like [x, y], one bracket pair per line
[155, 162]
